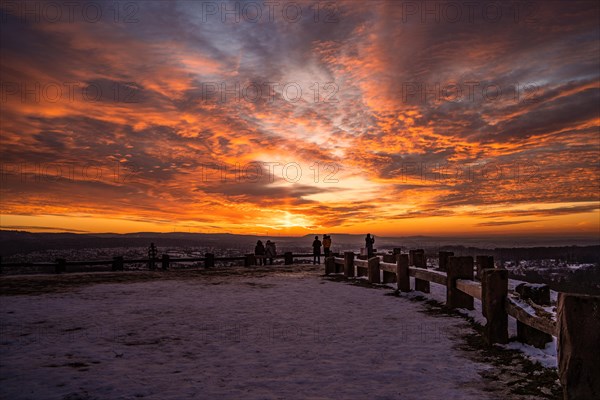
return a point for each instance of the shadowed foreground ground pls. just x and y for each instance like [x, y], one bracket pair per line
[46, 283]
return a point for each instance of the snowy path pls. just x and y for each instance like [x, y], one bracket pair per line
[279, 337]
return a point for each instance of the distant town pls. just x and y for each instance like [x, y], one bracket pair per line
[574, 267]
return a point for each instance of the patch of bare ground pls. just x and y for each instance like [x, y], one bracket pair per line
[12, 285]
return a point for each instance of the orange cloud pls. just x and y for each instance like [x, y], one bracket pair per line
[373, 141]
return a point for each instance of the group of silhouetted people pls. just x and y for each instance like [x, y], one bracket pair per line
[265, 252]
[326, 243]
[268, 251]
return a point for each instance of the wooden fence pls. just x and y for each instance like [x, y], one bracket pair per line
[61, 265]
[576, 327]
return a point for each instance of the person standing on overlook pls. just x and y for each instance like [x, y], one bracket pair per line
[316, 250]
[369, 241]
[270, 251]
[326, 245]
[152, 255]
[259, 253]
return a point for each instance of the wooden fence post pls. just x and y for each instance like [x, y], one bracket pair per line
[339, 268]
[458, 268]
[165, 262]
[288, 258]
[329, 265]
[578, 327]
[61, 266]
[209, 260]
[420, 261]
[494, 288]
[483, 262]
[443, 260]
[249, 260]
[539, 294]
[117, 264]
[374, 271]
[402, 274]
[349, 264]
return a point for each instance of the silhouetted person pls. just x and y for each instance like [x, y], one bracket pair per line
[316, 251]
[369, 245]
[259, 252]
[326, 245]
[152, 254]
[270, 251]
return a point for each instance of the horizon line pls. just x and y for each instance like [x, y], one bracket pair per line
[456, 235]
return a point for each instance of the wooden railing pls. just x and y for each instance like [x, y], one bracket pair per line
[540, 323]
[471, 288]
[576, 327]
[60, 265]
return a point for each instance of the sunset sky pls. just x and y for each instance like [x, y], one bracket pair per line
[395, 118]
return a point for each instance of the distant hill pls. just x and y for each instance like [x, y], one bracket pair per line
[20, 242]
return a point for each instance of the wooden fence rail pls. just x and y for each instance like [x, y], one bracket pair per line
[117, 263]
[428, 275]
[578, 316]
[540, 323]
[471, 288]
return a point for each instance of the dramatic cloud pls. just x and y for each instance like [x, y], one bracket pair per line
[394, 117]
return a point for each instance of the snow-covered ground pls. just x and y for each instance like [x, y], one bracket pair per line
[273, 337]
